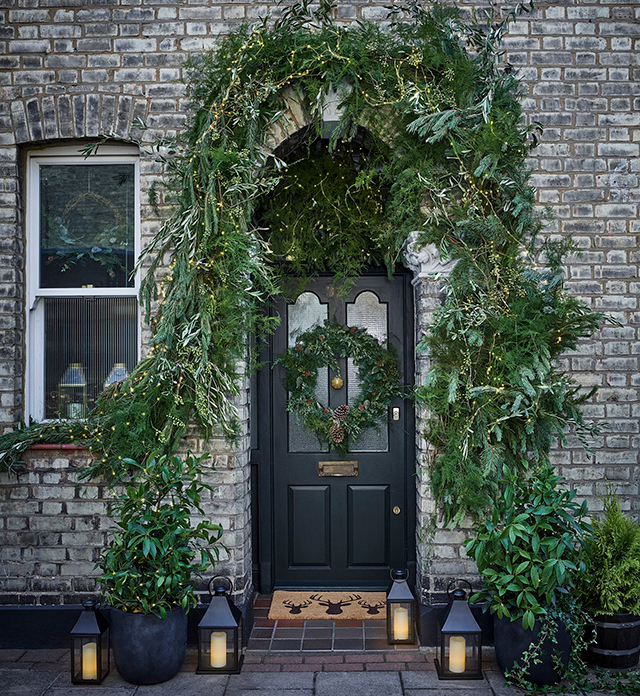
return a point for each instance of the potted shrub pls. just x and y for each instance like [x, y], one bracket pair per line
[610, 587]
[148, 565]
[527, 553]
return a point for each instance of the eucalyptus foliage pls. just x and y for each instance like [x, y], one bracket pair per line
[448, 148]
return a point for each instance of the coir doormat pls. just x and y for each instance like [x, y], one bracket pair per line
[328, 605]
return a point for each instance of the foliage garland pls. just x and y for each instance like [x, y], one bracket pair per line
[377, 372]
[444, 116]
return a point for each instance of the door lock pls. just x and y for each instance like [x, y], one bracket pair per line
[395, 413]
[396, 510]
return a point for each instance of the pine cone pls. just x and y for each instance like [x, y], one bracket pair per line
[341, 412]
[336, 433]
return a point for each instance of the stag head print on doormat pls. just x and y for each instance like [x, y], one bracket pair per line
[328, 605]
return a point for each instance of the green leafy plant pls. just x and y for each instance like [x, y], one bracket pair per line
[528, 556]
[611, 553]
[528, 551]
[155, 548]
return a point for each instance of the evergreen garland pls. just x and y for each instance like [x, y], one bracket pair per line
[446, 129]
[378, 377]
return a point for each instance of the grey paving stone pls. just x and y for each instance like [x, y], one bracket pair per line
[482, 690]
[112, 681]
[498, 684]
[187, 684]
[99, 690]
[358, 684]
[232, 691]
[270, 682]
[7, 655]
[429, 680]
[22, 682]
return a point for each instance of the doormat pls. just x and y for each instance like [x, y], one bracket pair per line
[328, 605]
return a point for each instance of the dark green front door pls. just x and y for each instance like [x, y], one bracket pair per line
[345, 530]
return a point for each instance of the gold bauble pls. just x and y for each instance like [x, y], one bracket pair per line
[337, 382]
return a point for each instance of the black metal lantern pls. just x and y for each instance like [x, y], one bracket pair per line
[89, 646]
[220, 632]
[460, 639]
[401, 609]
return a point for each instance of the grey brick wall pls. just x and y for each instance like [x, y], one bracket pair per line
[74, 69]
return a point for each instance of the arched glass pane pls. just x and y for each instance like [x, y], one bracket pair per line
[367, 312]
[304, 314]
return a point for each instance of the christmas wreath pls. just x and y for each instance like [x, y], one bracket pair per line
[377, 372]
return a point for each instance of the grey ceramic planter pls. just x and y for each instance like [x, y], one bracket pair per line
[147, 649]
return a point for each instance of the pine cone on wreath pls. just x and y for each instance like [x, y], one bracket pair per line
[341, 412]
[336, 433]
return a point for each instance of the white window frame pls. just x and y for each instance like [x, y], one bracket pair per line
[35, 357]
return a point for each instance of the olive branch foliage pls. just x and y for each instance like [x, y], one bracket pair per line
[445, 127]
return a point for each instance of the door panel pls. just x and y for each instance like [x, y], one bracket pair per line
[310, 526]
[337, 531]
[368, 525]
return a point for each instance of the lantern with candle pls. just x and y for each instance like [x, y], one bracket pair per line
[459, 638]
[220, 632]
[89, 646]
[401, 610]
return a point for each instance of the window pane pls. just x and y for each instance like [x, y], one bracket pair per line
[86, 225]
[88, 344]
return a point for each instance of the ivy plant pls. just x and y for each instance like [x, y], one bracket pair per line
[155, 548]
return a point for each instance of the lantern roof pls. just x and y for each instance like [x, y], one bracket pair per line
[90, 621]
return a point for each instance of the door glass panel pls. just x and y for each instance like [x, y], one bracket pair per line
[367, 312]
[306, 313]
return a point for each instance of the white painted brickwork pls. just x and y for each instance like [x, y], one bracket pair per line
[74, 69]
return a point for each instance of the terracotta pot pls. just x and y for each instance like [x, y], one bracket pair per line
[147, 649]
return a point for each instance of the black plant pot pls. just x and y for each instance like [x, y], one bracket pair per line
[512, 641]
[147, 649]
[617, 643]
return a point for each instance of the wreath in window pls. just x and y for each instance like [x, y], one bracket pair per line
[377, 372]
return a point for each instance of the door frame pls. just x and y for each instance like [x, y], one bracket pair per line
[262, 460]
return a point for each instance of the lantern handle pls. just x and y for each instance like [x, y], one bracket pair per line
[220, 577]
[453, 582]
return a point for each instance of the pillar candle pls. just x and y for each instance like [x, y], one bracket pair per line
[218, 649]
[457, 654]
[400, 623]
[90, 661]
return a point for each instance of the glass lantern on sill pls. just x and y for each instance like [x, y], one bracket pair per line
[89, 646]
[72, 392]
[459, 639]
[220, 632]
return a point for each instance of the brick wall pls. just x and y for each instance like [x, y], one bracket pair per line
[74, 69]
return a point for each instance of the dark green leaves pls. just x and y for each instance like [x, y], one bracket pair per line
[528, 553]
[148, 565]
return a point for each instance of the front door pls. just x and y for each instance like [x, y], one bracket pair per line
[345, 525]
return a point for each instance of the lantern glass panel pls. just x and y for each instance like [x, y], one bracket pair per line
[460, 656]
[401, 622]
[88, 658]
[218, 650]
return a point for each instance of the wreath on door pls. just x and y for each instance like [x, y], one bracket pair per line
[377, 373]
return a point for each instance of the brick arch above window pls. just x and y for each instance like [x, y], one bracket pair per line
[63, 116]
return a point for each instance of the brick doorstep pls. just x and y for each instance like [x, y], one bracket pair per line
[257, 661]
